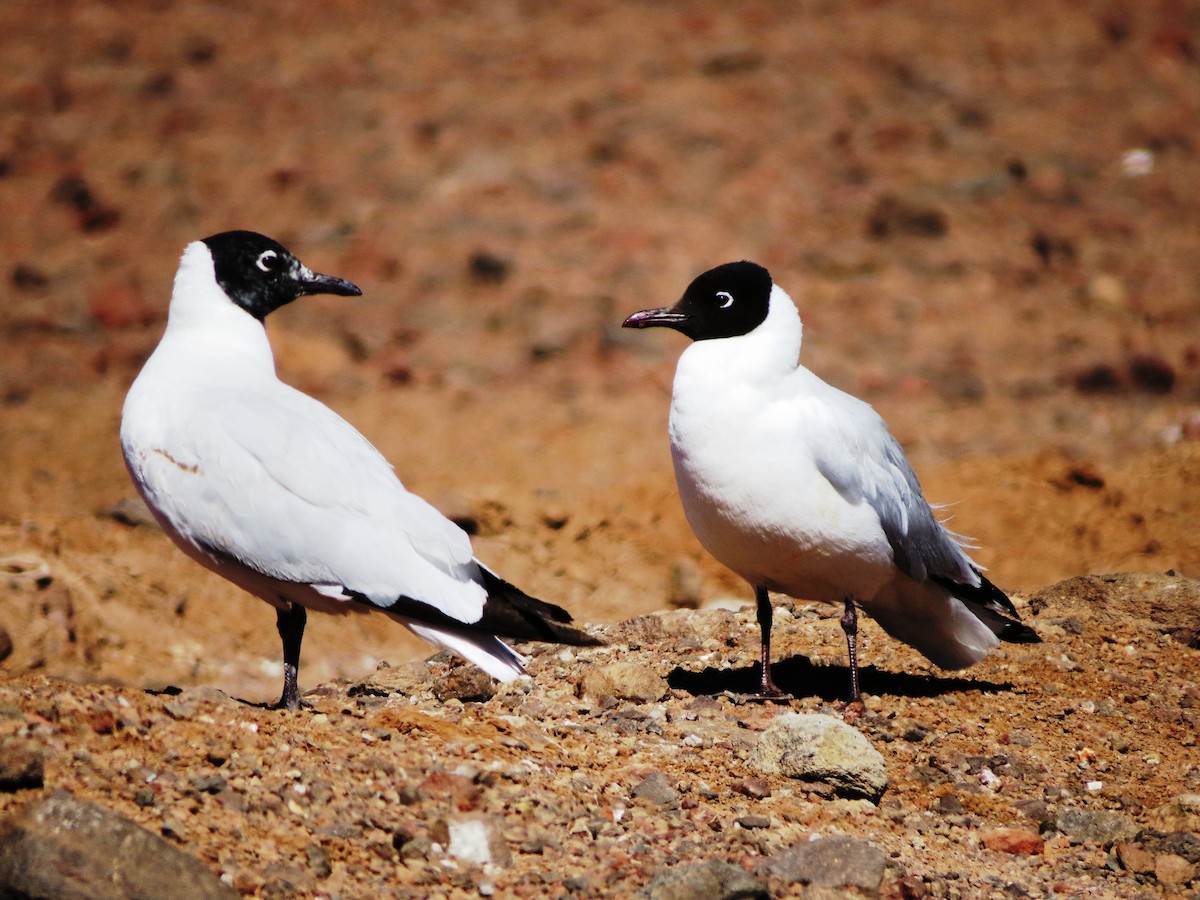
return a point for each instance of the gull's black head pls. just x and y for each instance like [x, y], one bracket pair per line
[727, 301]
[260, 275]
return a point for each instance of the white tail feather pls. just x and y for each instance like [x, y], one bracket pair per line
[926, 617]
[488, 652]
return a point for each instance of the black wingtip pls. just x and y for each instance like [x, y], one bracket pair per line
[984, 594]
[510, 612]
[993, 607]
[1016, 633]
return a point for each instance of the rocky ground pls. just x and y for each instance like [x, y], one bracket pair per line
[1067, 768]
[987, 214]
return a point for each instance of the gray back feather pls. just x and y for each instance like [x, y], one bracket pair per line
[873, 469]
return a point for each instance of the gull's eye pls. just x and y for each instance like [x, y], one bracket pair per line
[268, 261]
[726, 299]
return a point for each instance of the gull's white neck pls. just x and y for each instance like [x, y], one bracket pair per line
[769, 352]
[203, 321]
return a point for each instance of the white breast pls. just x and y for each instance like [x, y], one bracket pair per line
[744, 417]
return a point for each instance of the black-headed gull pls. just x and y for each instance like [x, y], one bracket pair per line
[273, 490]
[800, 488]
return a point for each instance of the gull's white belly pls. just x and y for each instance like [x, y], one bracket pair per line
[773, 518]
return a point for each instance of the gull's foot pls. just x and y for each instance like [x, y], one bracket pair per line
[291, 703]
[769, 692]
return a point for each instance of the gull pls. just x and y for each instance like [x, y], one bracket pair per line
[274, 491]
[801, 489]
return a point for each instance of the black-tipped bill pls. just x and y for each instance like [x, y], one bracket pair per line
[315, 283]
[656, 318]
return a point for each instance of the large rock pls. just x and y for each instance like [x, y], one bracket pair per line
[624, 680]
[1099, 826]
[839, 861]
[71, 850]
[821, 748]
[1181, 813]
[464, 682]
[711, 880]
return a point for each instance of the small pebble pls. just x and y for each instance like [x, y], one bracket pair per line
[753, 822]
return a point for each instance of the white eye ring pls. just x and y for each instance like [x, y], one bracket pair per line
[266, 260]
[728, 299]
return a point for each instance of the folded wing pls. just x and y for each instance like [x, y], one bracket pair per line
[865, 464]
[290, 489]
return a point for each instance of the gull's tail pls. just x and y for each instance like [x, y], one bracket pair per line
[489, 653]
[953, 625]
[992, 607]
[510, 612]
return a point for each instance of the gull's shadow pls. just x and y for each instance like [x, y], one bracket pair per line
[172, 691]
[800, 678]
[169, 691]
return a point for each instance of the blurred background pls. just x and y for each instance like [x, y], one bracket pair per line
[988, 214]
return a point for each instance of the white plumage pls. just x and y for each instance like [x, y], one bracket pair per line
[800, 488]
[276, 492]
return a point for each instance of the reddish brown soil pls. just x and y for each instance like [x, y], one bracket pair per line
[948, 194]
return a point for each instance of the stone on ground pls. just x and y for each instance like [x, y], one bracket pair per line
[821, 748]
[72, 850]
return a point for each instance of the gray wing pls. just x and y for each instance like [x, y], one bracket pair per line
[865, 464]
[288, 488]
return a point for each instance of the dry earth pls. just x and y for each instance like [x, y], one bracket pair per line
[988, 214]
